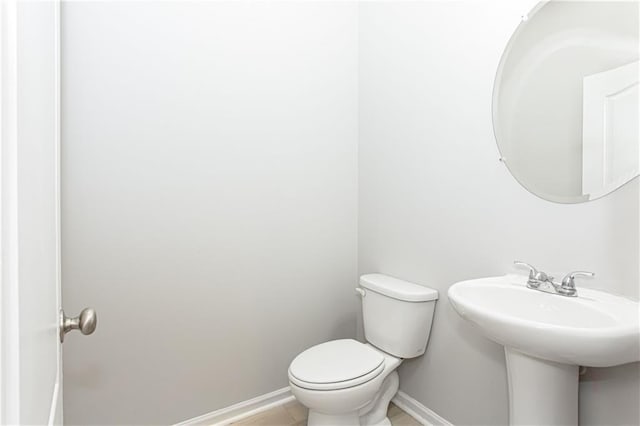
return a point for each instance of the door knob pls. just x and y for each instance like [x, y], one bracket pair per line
[86, 322]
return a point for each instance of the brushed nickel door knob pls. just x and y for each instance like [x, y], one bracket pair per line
[86, 322]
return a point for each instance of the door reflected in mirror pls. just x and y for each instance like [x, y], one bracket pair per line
[565, 101]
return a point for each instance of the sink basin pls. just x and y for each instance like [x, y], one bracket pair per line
[546, 337]
[594, 329]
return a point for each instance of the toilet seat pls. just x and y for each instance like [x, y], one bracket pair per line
[334, 365]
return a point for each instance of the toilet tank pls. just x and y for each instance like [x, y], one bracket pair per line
[397, 314]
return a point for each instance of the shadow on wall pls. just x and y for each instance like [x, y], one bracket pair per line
[620, 384]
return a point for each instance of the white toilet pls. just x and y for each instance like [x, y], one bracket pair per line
[345, 382]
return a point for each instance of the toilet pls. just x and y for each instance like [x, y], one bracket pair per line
[345, 382]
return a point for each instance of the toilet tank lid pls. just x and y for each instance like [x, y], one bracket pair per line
[398, 289]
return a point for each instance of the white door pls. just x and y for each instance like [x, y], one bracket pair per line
[30, 231]
[610, 147]
[30, 355]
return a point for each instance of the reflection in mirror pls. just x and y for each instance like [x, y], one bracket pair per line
[565, 102]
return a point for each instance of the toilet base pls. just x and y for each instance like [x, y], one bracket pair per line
[372, 414]
[383, 422]
[375, 413]
[320, 419]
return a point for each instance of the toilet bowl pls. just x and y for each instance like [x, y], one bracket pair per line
[345, 382]
[338, 378]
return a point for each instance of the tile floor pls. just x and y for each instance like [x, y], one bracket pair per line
[295, 414]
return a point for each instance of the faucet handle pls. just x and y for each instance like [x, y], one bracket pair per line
[569, 279]
[533, 272]
[568, 286]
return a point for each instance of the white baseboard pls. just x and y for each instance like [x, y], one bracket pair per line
[418, 411]
[241, 410]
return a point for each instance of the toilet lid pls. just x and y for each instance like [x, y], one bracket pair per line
[337, 364]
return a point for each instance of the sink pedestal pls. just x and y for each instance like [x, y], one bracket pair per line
[541, 392]
[595, 329]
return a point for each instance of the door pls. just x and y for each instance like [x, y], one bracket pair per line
[30, 308]
[31, 368]
[610, 130]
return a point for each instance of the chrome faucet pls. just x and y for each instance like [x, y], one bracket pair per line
[535, 277]
[541, 281]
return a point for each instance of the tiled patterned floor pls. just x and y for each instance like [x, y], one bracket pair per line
[295, 414]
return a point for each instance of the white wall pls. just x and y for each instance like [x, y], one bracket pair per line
[209, 199]
[436, 205]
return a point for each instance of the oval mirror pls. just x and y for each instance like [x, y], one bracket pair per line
[565, 99]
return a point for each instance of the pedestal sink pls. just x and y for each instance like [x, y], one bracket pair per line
[546, 338]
